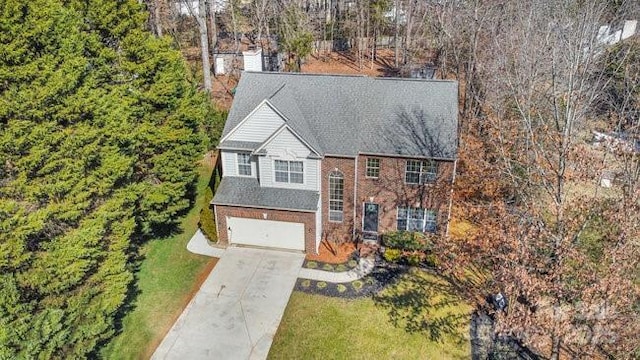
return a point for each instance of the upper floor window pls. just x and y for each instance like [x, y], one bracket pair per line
[336, 196]
[373, 167]
[421, 171]
[244, 164]
[416, 219]
[289, 171]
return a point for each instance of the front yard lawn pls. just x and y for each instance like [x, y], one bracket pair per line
[417, 318]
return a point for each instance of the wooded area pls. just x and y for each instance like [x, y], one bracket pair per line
[100, 129]
[101, 123]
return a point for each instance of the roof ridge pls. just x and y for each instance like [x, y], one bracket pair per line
[277, 91]
[308, 74]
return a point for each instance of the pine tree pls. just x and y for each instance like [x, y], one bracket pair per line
[100, 128]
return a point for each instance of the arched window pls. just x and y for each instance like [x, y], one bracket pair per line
[336, 196]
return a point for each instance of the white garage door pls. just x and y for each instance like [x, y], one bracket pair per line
[257, 232]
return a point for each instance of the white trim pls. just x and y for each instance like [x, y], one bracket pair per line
[304, 177]
[215, 218]
[453, 180]
[329, 197]
[424, 218]
[366, 167]
[355, 196]
[421, 171]
[364, 203]
[238, 165]
[265, 207]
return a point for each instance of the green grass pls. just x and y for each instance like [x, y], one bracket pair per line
[419, 318]
[168, 277]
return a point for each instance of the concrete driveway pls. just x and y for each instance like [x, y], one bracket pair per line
[237, 310]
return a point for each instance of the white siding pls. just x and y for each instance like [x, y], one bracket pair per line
[230, 164]
[286, 146]
[261, 124]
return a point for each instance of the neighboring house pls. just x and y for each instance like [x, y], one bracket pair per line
[307, 157]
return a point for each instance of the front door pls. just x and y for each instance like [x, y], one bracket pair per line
[370, 221]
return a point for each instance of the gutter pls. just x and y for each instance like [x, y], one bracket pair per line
[355, 195]
[453, 181]
[264, 207]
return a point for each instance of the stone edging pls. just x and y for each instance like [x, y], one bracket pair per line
[350, 264]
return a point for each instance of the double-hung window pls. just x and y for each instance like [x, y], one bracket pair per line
[289, 171]
[336, 196]
[420, 171]
[244, 164]
[373, 168]
[416, 219]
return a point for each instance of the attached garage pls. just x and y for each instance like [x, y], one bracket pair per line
[248, 214]
[267, 233]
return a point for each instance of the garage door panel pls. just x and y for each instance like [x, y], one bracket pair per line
[269, 233]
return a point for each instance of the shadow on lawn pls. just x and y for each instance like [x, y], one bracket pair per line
[424, 304]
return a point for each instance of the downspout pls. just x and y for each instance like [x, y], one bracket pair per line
[319, 229]
[453, 181]
[215, 216]
[355, 196]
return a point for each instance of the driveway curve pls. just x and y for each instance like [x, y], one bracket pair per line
[237, 310]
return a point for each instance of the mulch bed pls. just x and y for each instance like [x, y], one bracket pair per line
[350, 263]
[383, 275]
[333, 253]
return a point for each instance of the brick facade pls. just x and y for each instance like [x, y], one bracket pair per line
[307, 218]
[390, 191]
[338, 231]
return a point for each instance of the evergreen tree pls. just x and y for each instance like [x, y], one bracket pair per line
[100, 128]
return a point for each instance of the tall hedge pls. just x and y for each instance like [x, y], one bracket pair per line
[100, 128]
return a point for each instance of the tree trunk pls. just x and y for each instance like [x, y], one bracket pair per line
[204, 44]
[213, 28]
[157, 17]
[555, 348]
[234, 25]
[396, 39]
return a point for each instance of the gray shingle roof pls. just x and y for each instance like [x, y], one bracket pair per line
[347, 115]
[241, 191]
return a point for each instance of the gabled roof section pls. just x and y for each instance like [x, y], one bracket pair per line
[285, 127]
[257, 125]
[347, 115]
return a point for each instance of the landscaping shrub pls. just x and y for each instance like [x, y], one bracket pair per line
[321, 284]
[306, 283]
[327, 267]
[414, 258]
[312, 265]
[352, 263]
[407, 240]
[357, 285]
[207, 221]
[431, 261]
[341, 268]
[341, 288]
[392, 255]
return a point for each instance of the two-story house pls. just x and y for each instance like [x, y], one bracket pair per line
[307, 157]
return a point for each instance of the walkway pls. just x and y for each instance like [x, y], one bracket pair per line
[199, 245]
[237, 310]
[365, 266]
